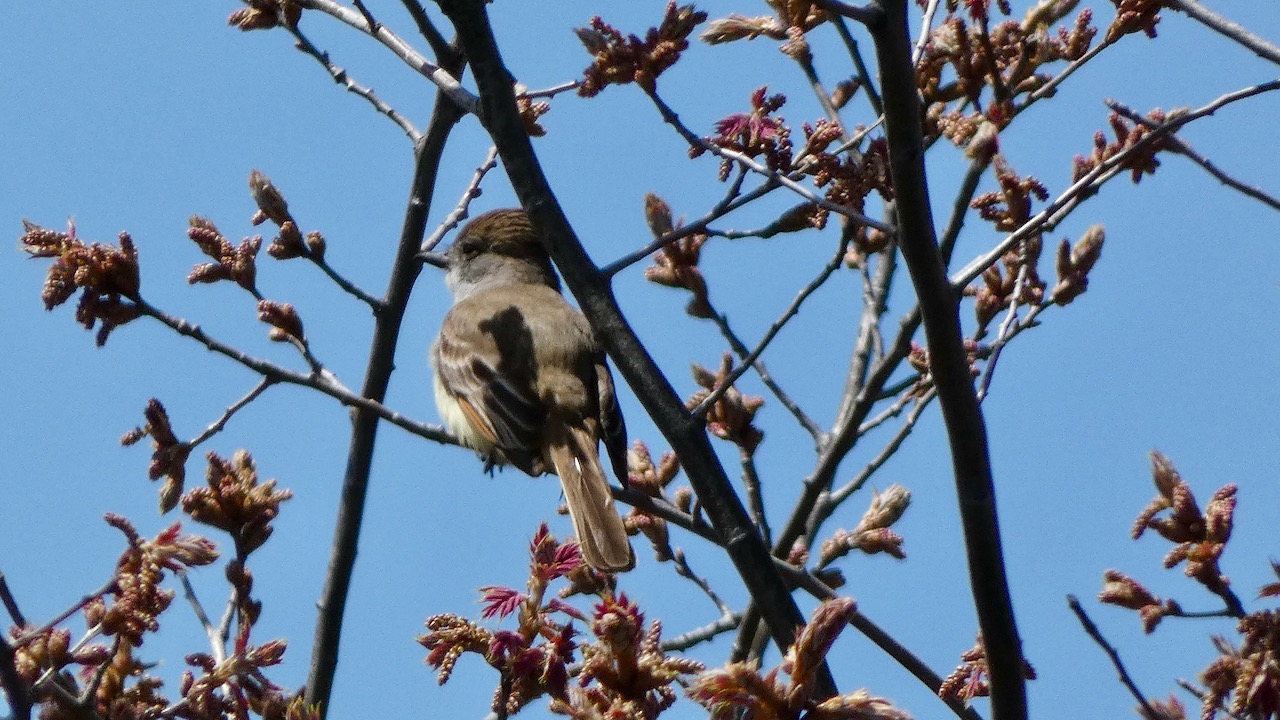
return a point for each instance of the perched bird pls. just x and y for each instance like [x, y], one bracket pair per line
[520, 378]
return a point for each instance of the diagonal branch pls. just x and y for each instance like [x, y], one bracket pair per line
[1109, 649]
[438, 74]
[1223, 26]
[404, 272]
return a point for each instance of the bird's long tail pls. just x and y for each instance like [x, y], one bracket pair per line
[573, 451]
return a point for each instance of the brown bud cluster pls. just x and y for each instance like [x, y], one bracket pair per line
[618, 60]
[846, 177]
[731, 416]
[285, 324]
[235, 502]
[970, 678]
[873, 533]
[1139, 163]
[966, 58]
[676, 264]
[138, 598]
[231, 262]
[1199, 537]
[1074, 264]
[168, 453]
[1246, 679]
[652, 479]
[530, 111]
[1009, 208]
[272, 206]
[998, 289]
[739, 687]
[108, 276]
[1123, 591]
[1134, 16]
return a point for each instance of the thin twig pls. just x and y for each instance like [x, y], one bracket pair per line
[216, 645]
[552, 91]
[1011, 318]
[681, 564]
[703, 634]
[926, 30]
[1181, 147]
[437, 74]
[731, 201]
[740, 349]
[221, 423]
[446, 54]
[839, 495]
[1109, 649]
[791, 311]
[11, 603]
[343, 78]
[28, 636]
[755, 496]
[1227, 28]
[867, 80]
[325, 383]
[460, 210]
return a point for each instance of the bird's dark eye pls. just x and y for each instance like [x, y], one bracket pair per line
[470, 246]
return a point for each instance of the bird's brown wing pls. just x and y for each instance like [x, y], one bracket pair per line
[494, 387]
[613, 431]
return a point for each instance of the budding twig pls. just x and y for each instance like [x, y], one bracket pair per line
[1109, 649]
[343, 78]
[460, 210]
[1087, 185]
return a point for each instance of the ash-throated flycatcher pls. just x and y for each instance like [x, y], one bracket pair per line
[519, 376]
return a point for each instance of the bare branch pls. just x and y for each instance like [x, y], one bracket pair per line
[460, 211]
[387, 322]
[343, 78]
[842, 493]
[216, 645]
[740, 349]
[325, 383]
[865, 14]
[1111, 652]
[791, 311]
[437, 74]
[702, 634]
[1223, 26]
[221, 423]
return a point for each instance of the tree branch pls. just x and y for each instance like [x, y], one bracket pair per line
[404, 272]
[1227, 28]
[949, 364]
[1111, 652]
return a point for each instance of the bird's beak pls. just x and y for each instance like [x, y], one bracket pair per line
[440, 260]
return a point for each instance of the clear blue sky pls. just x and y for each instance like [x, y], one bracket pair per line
[133, 116]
